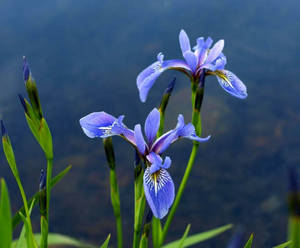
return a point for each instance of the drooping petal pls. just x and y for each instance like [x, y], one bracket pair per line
[184, 42]
[187, 131]
[152, 125]
[139, 139]
[163, 142]
[231, 84]
[97, 124]
[215, 52]
[159, 191]
[148, 76]
[119, 128]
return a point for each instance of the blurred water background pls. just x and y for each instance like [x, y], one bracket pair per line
[85, 56]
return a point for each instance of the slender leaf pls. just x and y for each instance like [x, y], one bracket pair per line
[184, 236]
[105, 244]
[284, 245]
[5, 217]
[249, 242]
[200, 237]
[17, 218]
[59, 239]
[22, 239]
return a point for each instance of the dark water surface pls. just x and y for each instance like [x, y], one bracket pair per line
[85, 56]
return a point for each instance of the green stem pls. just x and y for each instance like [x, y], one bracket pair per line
[294, 231]
[139, 204]
[156, 232]
[115, 200]
[197, 98]
[180, 192]
[44, 232]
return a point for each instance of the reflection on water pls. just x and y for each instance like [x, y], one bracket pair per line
[85, 57]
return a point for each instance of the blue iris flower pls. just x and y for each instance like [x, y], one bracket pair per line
[201, 60]
[158, 184]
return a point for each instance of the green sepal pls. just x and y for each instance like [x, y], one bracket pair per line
[9, 154]
[109, 151]
[249, 242]
[42, 134]
[106, 242]
[5, 217]
[17, 218]
[34, 97]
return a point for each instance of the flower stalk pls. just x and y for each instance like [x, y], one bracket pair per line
[114, 189]
[197, 98]
[139, 201]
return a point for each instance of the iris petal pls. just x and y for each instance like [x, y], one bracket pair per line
[215, 51]
[184, 42]
[152, 125]
[163, 142]
[139, 139]
[148, 76]
[191, 60]
[97, 124]
[159, 191]
[232, 84]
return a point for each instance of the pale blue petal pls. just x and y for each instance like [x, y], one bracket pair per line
[159, 195]
[191, 60]
[235, 86]
[218, 64]
[163, 142]
[152, 125]
[148, 76]
[139, 139]
[184, 42]
[167, 163]
[97, 124]
[215, 52]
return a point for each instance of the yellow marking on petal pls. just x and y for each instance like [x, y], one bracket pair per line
[155, 183]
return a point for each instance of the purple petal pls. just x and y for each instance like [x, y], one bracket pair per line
[157, 162]
[215, 52]
[218, 64]
[97, 124]
[26, 69]
[184, 42]
[159, 191]
[139, 139]
[203, 50]
[232, 84]
[152, 125]
[187, 131]
[191, 60]
[167, 163]
[163, 142]
[148, 76]
[119, 128]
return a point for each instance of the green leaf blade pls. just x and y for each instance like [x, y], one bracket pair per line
[5, 217]
[200, 237]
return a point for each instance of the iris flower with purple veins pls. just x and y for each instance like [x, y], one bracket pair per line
[158, 185]
[201, 60]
